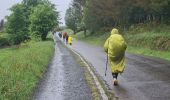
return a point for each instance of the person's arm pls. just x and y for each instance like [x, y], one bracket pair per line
[125, 45]
[106, 45]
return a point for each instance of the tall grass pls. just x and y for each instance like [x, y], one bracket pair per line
[155, 41]
[21, 67]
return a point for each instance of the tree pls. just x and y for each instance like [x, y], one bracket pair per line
[16, 24]
[90, 19]
[74, 16]
[43, 19]
[98, 14]
[1, 24]
[70, 19]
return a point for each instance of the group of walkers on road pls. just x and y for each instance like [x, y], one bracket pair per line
[115, 47]
[68, 39]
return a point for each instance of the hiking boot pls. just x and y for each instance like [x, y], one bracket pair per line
[115, 82]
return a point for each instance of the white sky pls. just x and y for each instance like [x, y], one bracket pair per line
[61, 6]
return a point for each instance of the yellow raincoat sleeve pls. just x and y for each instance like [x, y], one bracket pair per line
[106, 45]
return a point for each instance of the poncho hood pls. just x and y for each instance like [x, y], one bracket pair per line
[114, 31]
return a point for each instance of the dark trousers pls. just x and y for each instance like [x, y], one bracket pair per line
[115, 75]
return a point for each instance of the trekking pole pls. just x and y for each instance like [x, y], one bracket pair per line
[106, 65]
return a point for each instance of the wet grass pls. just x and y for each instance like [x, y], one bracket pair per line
[21, 67]
[95, 39]
[149, 52]
[154, 41]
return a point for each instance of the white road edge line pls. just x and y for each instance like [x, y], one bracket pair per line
[101, 90]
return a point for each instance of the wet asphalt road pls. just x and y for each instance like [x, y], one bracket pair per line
[145, 78]
[64, 79]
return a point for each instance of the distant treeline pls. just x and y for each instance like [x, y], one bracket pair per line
[1, 25]
[102, 14]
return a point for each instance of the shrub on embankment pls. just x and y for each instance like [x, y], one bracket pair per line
[21, 67]
[4, 41]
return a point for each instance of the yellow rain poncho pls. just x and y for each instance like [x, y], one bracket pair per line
[70, 39]
[115, 46]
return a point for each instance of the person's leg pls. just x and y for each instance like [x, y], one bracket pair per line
[115, 81]
[115, 75]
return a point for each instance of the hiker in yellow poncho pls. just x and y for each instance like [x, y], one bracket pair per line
[70, 40]
[115, 47]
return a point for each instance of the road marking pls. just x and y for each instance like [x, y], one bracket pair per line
[101, 90]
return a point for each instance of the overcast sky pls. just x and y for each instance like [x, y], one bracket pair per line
[61, 6]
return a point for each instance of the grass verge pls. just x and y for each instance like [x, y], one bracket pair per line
[96, 39]
[21, 67]
[149, 52]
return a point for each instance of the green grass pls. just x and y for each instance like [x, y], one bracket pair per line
[149, 52]
[21, 67]
[155, 41]
[96, 39]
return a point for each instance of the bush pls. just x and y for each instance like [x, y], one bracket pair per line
[4, 42]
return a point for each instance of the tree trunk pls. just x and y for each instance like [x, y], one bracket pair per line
[74, 32]
[85, 35]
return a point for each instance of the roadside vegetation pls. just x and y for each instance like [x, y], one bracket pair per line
[25, 47]
[29, 20]
[4, 41]
[21, 67]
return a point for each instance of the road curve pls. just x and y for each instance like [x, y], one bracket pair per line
[145, 78]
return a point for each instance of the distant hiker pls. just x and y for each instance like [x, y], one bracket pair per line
[70, 40]
[54, 37]
[59, 34]
[67, 38]
[64, 34]
[115, 47]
